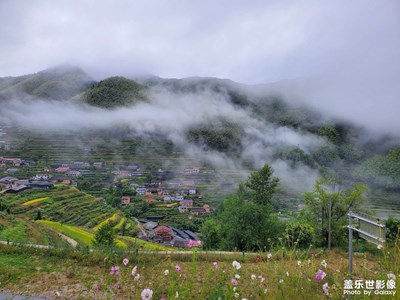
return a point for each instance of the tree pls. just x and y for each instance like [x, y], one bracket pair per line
[105, 236]
[329, 203]
[263, 185]
[241, 225]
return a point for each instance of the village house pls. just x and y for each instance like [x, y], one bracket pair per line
[141, 191]
[125, 200]
[98, 164]
[162, 234]
[179, 198]
[41, 177]
[149, 199]
[192, 191]
[194, 170]
[62, 169]
[11, 170]
[151, 192]
[167, 199]
[74, 173]
[182, 209]
[188, 203]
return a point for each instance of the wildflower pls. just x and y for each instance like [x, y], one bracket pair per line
[234, 281]
[379, 247]
[287, 273]
[325, 288]
[236, 295]
[236, 264]
[320, 275]
[234, 288]
[166, 272]
[137, 277]
[176, 295]
[313, 254]
[125, 261]
[162, 298]
[178, 268]
[299, 263]
[391, 276]
[147, 294]
[265, 291]
[309, 261]
[269, 255]
[134, 270]
[237, 276]
[253, 277]
[57, 293]
[323, 263]
[114, 270]
[97, 288]
[215, 264]
[281, 281]
[258, 257]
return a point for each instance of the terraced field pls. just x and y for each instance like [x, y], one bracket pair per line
[63, 204]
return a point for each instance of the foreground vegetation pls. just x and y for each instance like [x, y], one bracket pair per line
[280, 273]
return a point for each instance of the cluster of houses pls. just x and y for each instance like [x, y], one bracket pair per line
[14, 185]
[168, 235]
[157, 193]
[12, 165]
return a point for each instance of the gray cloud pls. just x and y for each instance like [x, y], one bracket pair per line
[347, 51]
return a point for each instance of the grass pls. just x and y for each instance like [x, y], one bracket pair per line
[144, 245]
[287, 274]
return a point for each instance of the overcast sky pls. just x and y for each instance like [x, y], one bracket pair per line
[348, 49]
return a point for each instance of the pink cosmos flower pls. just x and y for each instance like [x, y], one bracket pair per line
[125, 261]
[325, 288]
[147, 294]
[114, 270]
[137, 277]
[320, 275]
[134, 270]
[215, 264]
[258, 257]
[234, 282]
[178, 268]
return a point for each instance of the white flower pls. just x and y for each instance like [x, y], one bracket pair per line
[269, 255]
[244, 298]
[176, 294]
[237, 276]
[324, 264]
[253, 277]
[287, 273]
[299, 263]
[166, 272]
[281, 281]
[236, 295]
[137, 277]
[391, 276]
[236, 264]
[265, 291]
[147, 294]
[234, 288]
[379, 247]
[309, 261]
[261, 279]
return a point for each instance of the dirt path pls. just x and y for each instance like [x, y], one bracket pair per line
[72, 242]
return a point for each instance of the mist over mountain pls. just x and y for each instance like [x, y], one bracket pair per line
[233, 128]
